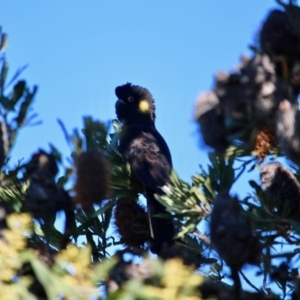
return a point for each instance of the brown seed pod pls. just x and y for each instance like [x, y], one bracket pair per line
[282, 190]
[241, 103]
[280, 38]
[264, 141]
[92, 183]
[288, 130]
[280, 35]
[231, 233]
[232, 237]
[252, 94]
[131, 223]
[211, 120]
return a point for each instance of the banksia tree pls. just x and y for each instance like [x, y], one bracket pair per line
[249, 119]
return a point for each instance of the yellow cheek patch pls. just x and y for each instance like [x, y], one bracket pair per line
[144, 106]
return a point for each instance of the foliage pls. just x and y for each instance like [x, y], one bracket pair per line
[89, 260]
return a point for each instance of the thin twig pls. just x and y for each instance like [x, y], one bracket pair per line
[202, 237]
[247, 280]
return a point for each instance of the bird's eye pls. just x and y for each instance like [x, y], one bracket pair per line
[130, 99]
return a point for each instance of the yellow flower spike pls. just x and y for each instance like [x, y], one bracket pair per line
[7, 274]
[15, 240]
[175, 271]
[188, 298]
[68, 255]
[84, 258]
[5, 249]
[19, 222]
[70, 280]
[78, 257]
[179, 282]
[194, 280]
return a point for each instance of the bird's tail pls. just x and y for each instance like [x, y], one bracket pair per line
[162, 230]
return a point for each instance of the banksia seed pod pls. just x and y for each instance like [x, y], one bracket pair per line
[92, 183]
[264, 141]
[282, 190]
[252, 94]
[208, 115]
[280, 35]
[131, 223]
[288, 130]
[231, 233]
[241, 103]
[280, 38]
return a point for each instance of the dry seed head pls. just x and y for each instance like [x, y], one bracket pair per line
[288, 130]
[131, 223]
[92, 183]
[282, 190]
[231, 233]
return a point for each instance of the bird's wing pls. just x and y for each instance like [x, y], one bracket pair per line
[149, 159]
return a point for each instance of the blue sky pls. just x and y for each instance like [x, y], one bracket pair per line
[79, 51]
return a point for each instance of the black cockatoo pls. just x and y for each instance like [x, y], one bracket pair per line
[43, 197]
[148, 155]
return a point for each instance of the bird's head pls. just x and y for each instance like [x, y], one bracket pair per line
[42, 161]
[135, 104]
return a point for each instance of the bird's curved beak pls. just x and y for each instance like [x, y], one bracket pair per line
[119, 103]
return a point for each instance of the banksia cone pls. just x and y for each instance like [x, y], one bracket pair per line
[280, 35]
[288, 130]
[264, 141]
[252, 94]
[211, 121]
[232, 237]
[231, 233]
[280, 38]
[92, 183]
[282, 190]
[131, 223]
[241, 103]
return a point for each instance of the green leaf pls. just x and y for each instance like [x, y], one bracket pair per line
[3, 74]
[52, 283]
[3, 42]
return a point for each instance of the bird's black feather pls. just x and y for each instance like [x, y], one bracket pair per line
[147, 153]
